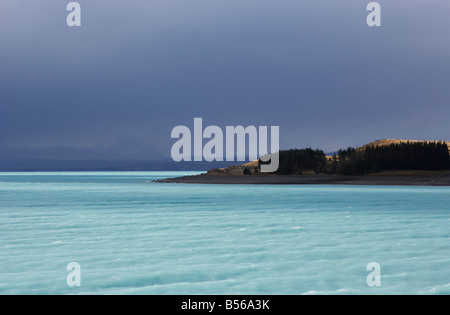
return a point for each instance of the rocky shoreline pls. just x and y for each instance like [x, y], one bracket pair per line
[376, 179]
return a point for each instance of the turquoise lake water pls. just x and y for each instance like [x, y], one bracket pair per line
[132, 236]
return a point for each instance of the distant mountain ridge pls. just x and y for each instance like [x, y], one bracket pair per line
[69, 159]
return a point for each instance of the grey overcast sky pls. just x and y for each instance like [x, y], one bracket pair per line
[134, 70]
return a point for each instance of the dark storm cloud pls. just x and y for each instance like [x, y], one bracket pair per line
[136, 69]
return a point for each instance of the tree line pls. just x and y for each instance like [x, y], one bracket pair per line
[370, 159]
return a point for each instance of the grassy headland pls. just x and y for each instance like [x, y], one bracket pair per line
[383, 162]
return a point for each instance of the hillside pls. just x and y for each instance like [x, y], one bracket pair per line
[379, 155]
[387, 142]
